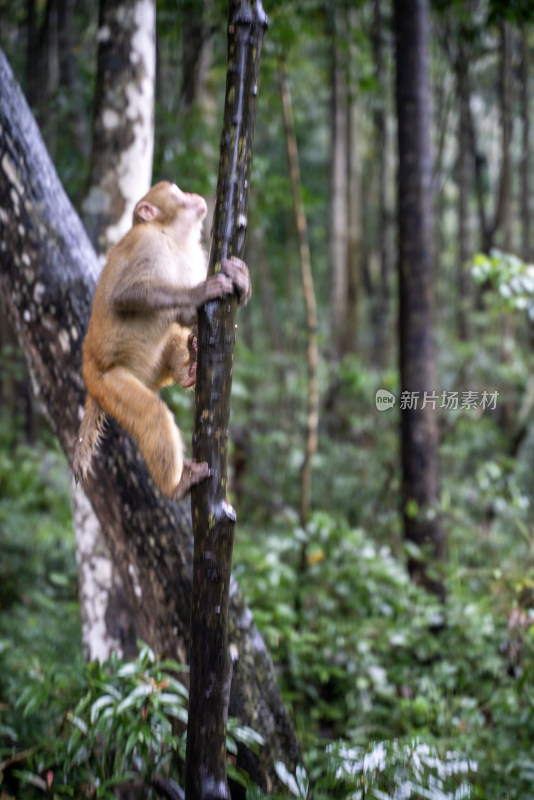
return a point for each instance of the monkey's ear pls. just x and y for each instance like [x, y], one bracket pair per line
[146, 211]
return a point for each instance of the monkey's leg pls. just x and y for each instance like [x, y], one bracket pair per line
[143, 414]
[179, 357]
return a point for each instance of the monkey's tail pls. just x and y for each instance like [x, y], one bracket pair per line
[87, 439]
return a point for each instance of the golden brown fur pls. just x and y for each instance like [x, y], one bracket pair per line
[139, 337]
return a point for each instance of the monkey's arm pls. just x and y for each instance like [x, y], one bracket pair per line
[147, 294]
[152, 295]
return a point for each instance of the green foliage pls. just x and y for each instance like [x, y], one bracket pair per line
[110, 725]
[510, 277]
[362, 653]
[384, 770]
[39, 613]
[366, 655]
[357, 616]
[120, 729]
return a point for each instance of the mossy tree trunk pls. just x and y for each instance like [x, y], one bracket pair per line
[213, 517]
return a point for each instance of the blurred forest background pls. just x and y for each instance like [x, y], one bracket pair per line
[407, 670]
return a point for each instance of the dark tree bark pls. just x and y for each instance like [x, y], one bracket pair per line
[526, 247]
[419, 428]
[42, 67]
[503, 214]
[211, 682]
[339, 218]
[68, 76]
[196, 47]
[32, 52]
[382, 314]
[355, 234]
[47, 278]
[51, 64]
[465, 173]
[355, 229]
[501, 221]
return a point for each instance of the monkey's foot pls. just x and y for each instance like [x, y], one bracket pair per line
[193, 472]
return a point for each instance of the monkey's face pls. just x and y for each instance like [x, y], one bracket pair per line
[178, 212]
[193, 203]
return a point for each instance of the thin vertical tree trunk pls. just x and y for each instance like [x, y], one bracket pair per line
[68, 77]
[42, 68]
[213, 517]
[464, 163]
[354, 194]
[51, 65]
[503, 216]
[383, 302]
[339, 193]
[419, 419]
[196, 51]
[309, 299]
[354, 228]
[526, 248]
[32, 53]
[479, 160]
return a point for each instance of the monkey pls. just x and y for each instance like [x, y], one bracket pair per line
[139, 337]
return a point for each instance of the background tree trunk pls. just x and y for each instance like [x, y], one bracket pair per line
[48, 274]
[419, 425]
[525, 160]
[312, 351]
[503, 214]
[51, 67]
[123, 140]
[382, 313]
[464, 168]
[354, 193]
[196, 51]
[339, 217]
[121, 168]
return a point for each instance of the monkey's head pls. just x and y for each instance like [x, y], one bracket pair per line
[166, 205]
